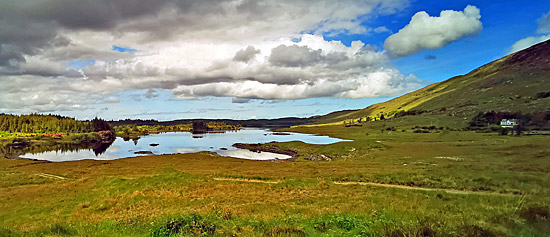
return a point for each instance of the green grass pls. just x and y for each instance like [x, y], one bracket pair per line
[377, 223]
[152, 195]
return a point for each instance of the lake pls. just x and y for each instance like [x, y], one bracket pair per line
[183, 142]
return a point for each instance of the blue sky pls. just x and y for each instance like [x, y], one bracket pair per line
[258, 63]
[504, 23]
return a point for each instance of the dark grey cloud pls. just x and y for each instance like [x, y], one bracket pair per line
[28, 27]
[151, 94]
[301, 56]
[294, 56]
[245, 55]
[239, 100]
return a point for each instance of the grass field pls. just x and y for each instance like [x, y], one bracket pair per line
[385, 182]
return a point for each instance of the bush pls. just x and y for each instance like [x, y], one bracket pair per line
[536, 212]
[186, 225]
[542, 95]
[474, 230]
[503, 131]
[341, 223]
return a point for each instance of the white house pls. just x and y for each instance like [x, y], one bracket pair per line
[509, 123]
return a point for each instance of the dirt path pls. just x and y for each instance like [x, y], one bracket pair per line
[247, 180]
[50, 176]
[454, 191]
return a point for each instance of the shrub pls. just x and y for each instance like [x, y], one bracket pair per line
[503, 131]
[474, 230]
[535, 212]
[542, 95]
[187, 225]
[342, 222]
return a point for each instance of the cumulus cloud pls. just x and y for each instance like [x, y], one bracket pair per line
[543, 34]
[427, 32]
[233, 48]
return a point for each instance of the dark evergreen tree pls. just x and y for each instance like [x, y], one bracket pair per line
[36, 123]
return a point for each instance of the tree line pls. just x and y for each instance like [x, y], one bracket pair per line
[535, 121]
[38, 123]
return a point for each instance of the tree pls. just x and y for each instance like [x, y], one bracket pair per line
[503, 131]
[36, 123]
[519, 129]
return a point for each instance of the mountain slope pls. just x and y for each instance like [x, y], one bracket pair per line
[515, 83]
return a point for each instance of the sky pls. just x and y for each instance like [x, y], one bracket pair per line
[245, 59]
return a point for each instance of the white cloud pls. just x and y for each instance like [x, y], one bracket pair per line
[111, 100]
[426, 32]
[238, 48]
[381, 29]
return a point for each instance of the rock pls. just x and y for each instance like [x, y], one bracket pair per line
[320, 157]
[261, 147]
[281, 133]
[144, 152]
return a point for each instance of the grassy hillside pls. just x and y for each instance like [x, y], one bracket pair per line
[519, 82]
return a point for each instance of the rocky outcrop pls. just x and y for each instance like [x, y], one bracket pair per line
[320, 157]
[266, 148]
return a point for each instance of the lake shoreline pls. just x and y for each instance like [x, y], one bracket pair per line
[247, 143]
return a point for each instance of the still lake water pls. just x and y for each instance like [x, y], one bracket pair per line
[184, 142]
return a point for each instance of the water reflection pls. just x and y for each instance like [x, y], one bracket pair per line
[29, 149]
[170, 143]
[250, 155]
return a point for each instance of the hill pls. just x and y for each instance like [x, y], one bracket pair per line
[517, 83]
[264, 123]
